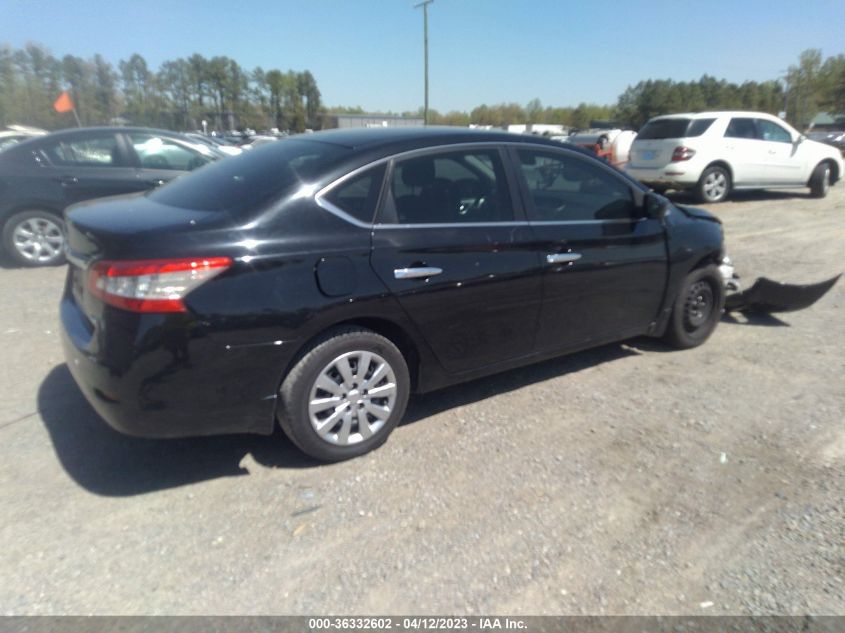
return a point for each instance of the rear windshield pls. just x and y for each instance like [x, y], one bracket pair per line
[674, 128]
[243, 182]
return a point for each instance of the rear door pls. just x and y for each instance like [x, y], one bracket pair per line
[605, 265]
[747, 153]
[452, 246]
[88, 166]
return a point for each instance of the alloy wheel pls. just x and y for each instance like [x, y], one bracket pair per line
[715, 185]
[38, 239]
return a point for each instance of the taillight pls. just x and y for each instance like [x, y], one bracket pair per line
[682, 153]
[152, 285]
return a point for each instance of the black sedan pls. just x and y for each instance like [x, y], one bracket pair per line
[40, 177]
[321, 280]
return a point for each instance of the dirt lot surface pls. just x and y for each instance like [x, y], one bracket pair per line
[628, 479]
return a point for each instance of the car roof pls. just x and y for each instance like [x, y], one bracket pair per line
[715, 114]
[68, 133]
[372, 138]
[73, 131]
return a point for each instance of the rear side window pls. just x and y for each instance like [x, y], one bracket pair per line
[358, 196]
[157, 152]
[567, 189]
[461, 187]
[697, 127]
[97, 151]
[242, 182]
[664, 128]
[740, 127]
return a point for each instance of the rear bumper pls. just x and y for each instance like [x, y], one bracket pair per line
[675, 174]
[153, 376]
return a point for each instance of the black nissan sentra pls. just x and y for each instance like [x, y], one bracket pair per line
[321, 280]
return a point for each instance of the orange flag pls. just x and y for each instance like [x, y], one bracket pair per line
[64, 103]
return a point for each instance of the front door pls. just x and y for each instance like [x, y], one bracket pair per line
[605, 263]
[785, 164]
[450, 246]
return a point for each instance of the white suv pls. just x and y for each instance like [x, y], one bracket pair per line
[714, 153]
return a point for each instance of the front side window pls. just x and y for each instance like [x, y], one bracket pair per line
[461, 187]
[98, 151]
[358, 196]
[741, 128]
[569, 188]
[770, 131]
[156, 152]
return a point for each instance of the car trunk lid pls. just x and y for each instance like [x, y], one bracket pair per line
[127, 228]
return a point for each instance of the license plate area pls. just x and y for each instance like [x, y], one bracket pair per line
[81, 297]
[77, 285]
[648, 154]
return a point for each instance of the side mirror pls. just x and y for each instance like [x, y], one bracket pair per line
[801, 138]
[655, 206]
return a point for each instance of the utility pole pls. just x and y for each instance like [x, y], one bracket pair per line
[424, 6]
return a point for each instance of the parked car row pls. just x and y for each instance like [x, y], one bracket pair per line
[709, 153]
[41, 176]
[14, 134]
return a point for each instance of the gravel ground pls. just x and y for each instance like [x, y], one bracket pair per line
[630, 479]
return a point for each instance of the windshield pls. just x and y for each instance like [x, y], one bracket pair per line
[240, 183]
[674, 128]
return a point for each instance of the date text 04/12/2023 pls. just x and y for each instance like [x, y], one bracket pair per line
[416, 623]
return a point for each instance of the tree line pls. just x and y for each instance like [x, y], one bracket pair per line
[181, 93]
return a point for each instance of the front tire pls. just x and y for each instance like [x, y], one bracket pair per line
[698, 308]
[820, 180]
[714, 184]
[35, 238]
[345, 396]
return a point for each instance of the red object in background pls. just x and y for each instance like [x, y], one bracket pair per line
[603, 149]
[64, 103]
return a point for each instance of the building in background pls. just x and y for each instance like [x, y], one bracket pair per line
[370, 120]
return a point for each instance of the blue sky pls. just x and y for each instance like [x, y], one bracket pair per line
[370, 53]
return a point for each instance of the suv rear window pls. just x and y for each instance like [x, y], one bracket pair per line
[674, 128]
[243, 182]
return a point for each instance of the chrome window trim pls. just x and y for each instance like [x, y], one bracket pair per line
[567, 222]
[343, 215]
[447, 225]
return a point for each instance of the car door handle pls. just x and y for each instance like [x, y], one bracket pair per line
[68, 180]
[156, 183]
[562, 258]
[418, 272]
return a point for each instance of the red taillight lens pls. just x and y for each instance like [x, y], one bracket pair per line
[152, 285]
[682, 153]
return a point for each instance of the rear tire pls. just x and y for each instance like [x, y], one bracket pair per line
[698, 308]
[820, 180]
[714, 184]
[345, 396]
[34, 238]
